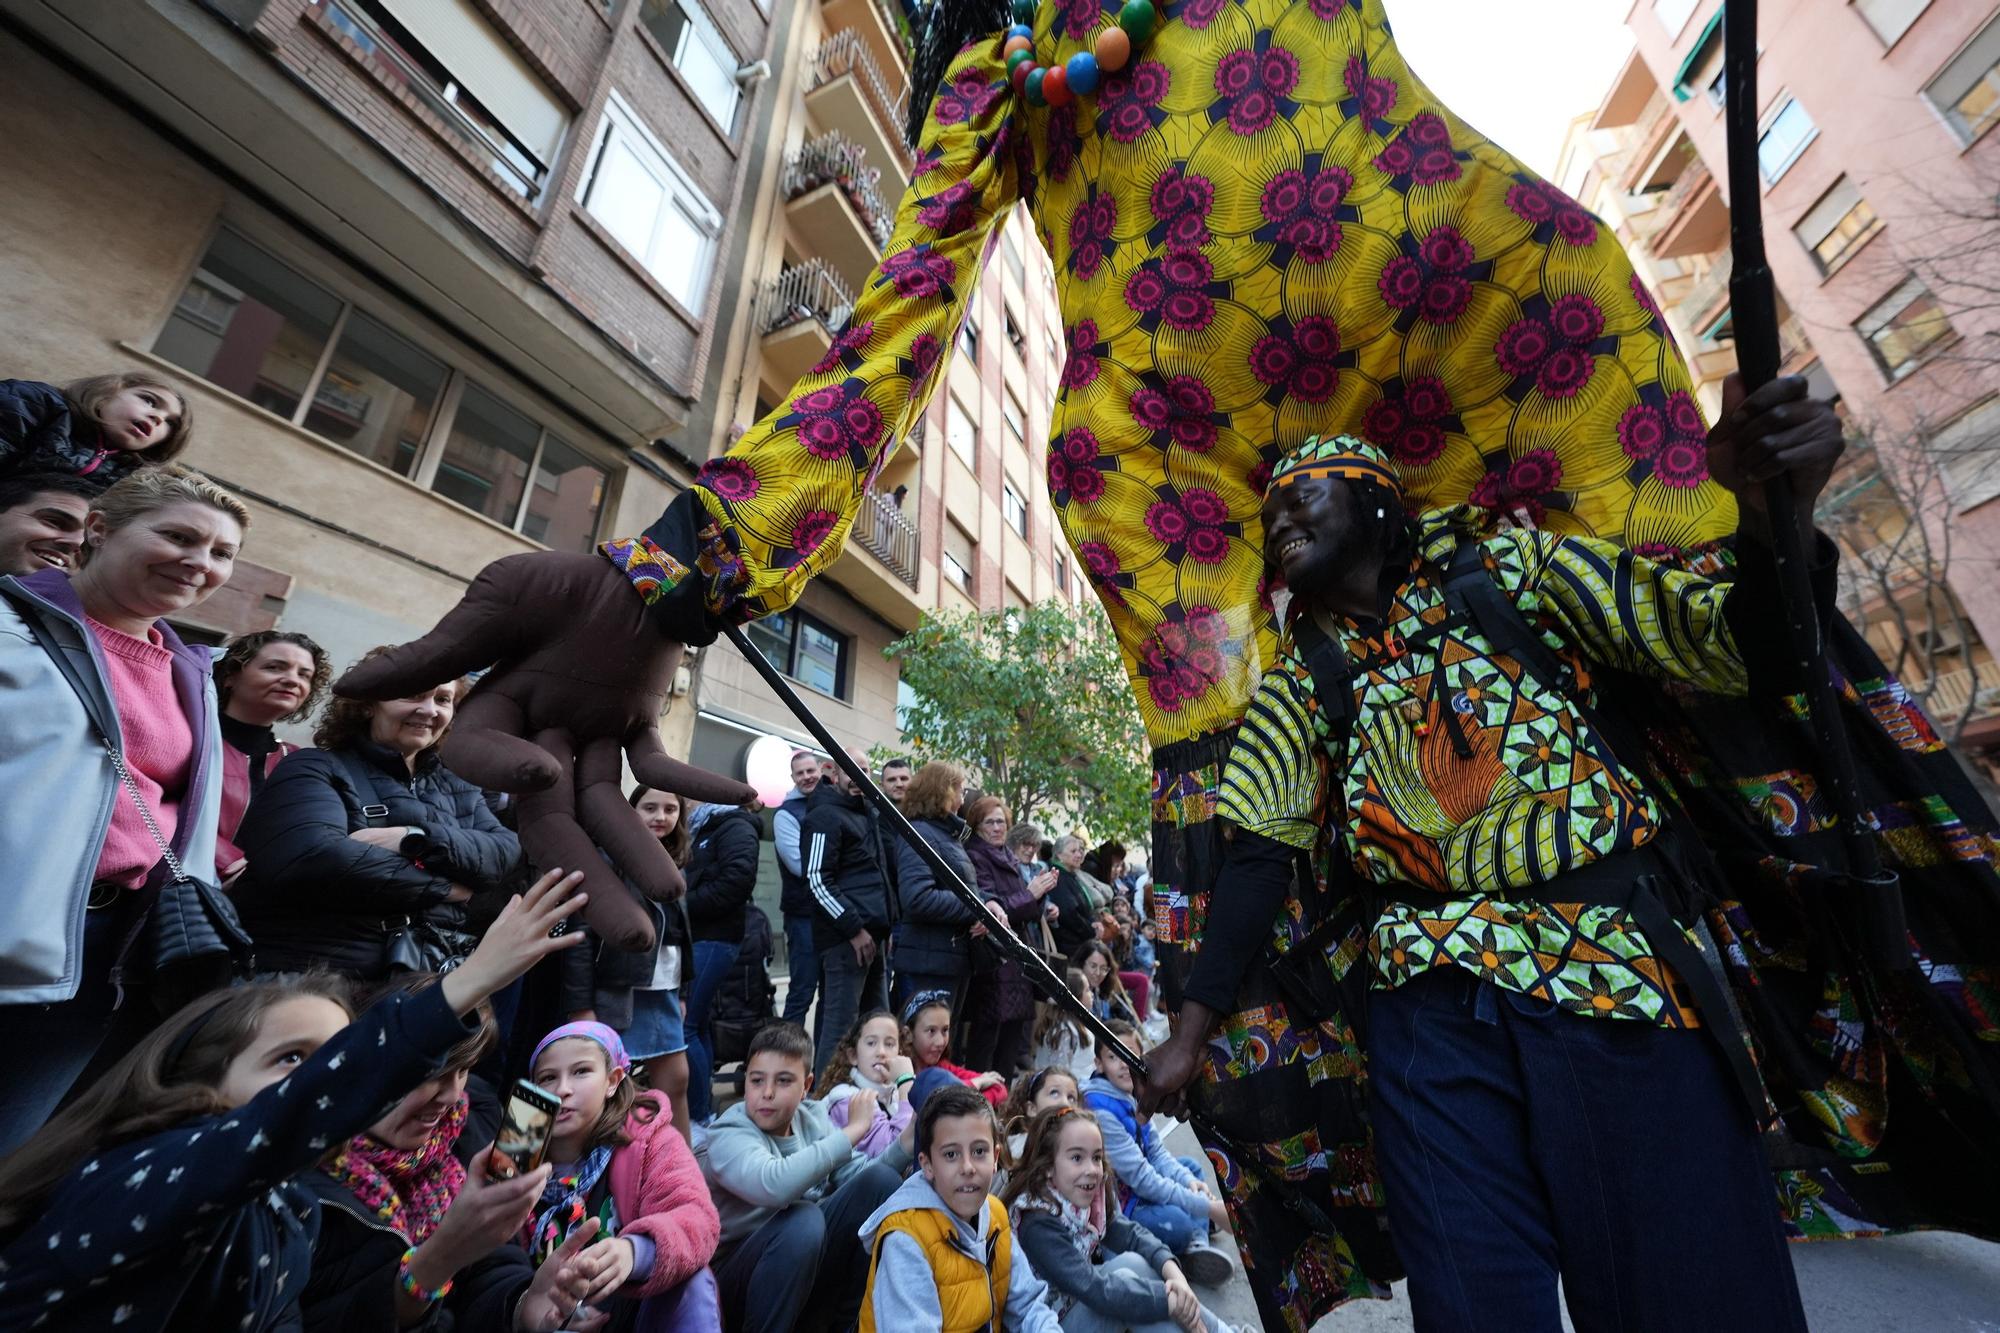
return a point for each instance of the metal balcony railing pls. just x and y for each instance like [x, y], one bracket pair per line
[806, 291]
[835, 159]
[1683, 189]
[887, 533]
[1954, 693]
[1708, 290]
[846, 53]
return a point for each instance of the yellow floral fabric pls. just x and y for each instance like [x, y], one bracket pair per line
[1264, 228]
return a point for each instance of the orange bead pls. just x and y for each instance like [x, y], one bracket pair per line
[1055, 87]
[1114, 48]
[1016, 44]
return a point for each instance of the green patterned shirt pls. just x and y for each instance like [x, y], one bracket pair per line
[1512, 790]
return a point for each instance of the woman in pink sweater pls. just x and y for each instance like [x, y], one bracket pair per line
[618, 1159]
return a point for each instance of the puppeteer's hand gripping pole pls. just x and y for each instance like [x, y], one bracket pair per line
[1043, 977]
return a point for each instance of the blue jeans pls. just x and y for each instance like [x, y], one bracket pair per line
[804, 1268]
[1518, 1142]
[57, 1041]
[803, 958]
[847, 990]
[1176, 1227]
[711, 963]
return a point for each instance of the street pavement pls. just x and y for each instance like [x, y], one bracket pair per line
[1932, 1282]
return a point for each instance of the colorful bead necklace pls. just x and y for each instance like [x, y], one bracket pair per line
[1059, 85]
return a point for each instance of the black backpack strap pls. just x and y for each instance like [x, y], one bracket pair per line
[1332, 675]
[356, 769]
[1471, 590]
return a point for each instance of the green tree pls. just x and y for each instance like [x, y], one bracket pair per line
[1035, 704]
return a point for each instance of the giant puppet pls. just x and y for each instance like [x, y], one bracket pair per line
[1265, 228]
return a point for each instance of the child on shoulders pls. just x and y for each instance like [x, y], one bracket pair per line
[944, 1256]
[103, 428]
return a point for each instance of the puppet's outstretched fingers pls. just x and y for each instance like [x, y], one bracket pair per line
[486, 626]
[487, 747]
[652, 765]
[609, 818]
[551, 837]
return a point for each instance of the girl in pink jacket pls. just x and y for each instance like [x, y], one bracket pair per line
[618, 1158]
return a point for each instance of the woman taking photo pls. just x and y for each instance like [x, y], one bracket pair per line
[1003, 1004]
[364, 852]
[934, 934]
[262, 679]
[109, 755]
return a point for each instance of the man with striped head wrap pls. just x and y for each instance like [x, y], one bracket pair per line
[1502, 894]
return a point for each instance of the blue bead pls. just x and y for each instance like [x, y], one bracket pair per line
[1021, 30]
[1082, 69]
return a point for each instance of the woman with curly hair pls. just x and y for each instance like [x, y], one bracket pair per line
[364, 852]
[262, 679]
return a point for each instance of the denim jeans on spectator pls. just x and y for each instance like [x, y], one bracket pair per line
[846, 991]
[711, 963]
[1176, 1227]
[804, 1268]
[1083, 1319]
[802, 956]
[55, 1042]
[1519, 1142]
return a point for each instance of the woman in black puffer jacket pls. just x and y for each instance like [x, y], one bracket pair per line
[367, 845]
[934, 932]
[721, 877]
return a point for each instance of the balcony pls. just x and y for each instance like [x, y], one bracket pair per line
[1697, 221]
[1709, 294]
[871, 19]
[835, 208]
[1659, 148]
[878, 567]
[798, 313]
[848, 92]
[1952, 694]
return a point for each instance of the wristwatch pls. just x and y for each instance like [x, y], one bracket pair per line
[415, 839]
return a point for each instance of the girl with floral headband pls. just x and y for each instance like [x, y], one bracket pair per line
[618, 1160]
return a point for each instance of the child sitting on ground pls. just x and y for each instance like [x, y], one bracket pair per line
[1056, 1201]
[1049, 1086]
[1061, 1038]
[617, 1158]
[869, 1059]
[943, 1250]
[104, 428]
[927, 1032]
[1167, 1197]
[792, 1191]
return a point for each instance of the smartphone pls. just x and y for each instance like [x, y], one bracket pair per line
[524, 1131]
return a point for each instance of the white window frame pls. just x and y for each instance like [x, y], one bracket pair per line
[1812, 243]
[947, 562]
[1972, 476]
[1916, 288]
[1013, 509]
[1773, 173]
[954, 408]
[681, 193]
[1908, 15]
[700, 27]
[1948, 87]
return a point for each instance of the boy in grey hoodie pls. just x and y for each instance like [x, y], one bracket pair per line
[790, 1189]
[942, 1241]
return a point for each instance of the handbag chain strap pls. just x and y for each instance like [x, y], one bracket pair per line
[174, 866]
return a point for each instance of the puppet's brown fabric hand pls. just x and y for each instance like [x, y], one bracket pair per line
[579, 674]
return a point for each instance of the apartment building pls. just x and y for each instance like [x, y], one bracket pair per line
[1878, 177]
[959, 517]
[440, 275]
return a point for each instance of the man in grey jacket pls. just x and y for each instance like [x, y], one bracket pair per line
[791, 1192]
[795, 899]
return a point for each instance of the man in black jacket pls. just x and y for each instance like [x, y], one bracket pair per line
[842, 858]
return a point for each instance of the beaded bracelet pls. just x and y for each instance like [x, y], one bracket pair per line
[408, 1282]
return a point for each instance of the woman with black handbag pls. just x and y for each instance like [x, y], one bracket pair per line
[364, 852]
[110, 758]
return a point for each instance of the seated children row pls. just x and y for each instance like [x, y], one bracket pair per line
[901, 1062]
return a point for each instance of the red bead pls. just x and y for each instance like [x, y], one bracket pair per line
[1055, 87]
[1020, 76]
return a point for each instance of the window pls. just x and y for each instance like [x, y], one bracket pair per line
[957, 558]
[1786, 134]
[1890, 18]
[805, 648]
[252, 325]
[1902, 326]
[1673, 14]
[1836, 226]
[691, 40]
[650, 206]
[1055, 348]
[960, 433]
[968, 339]
[1012, 250]
[1015, 338]
[1967, 451]
[1013, 508]
[1967, 92]
[1062, 573]
[1010, 408]
[448, 57]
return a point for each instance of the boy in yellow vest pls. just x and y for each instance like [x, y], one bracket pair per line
[944, 1255]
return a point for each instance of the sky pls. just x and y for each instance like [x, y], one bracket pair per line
[1517, 70]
